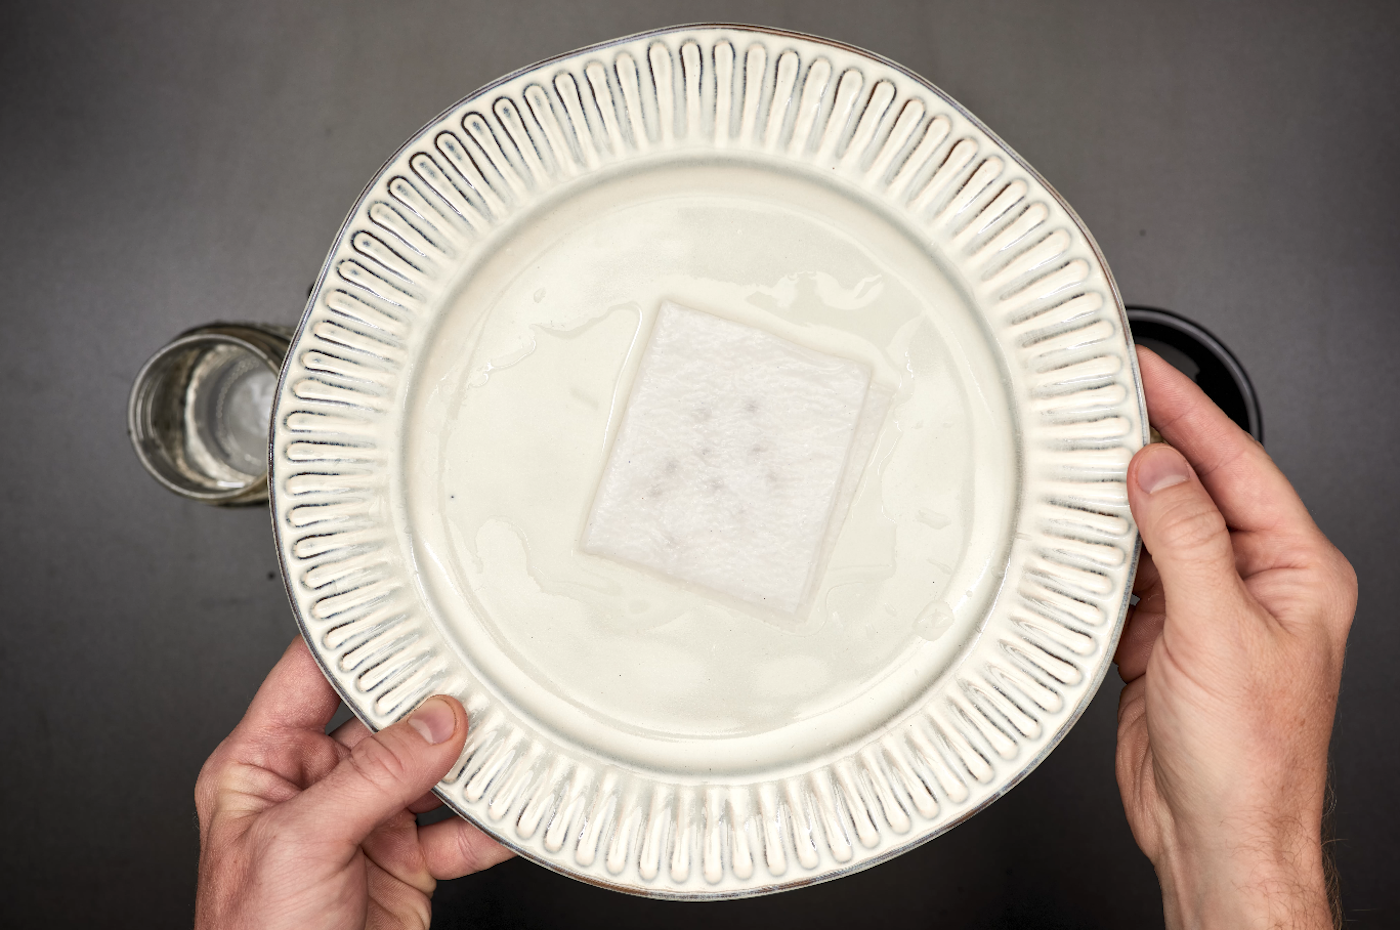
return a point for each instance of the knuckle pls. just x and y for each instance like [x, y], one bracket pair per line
[1346, 574]
[206, 785]
[1192, 527]
[1347, 591]
[1339, 584]
[475, 851]
[422, 912]
[1130, 710]
[203, 801]
[203, 790]
[378, 764]
[469, 849]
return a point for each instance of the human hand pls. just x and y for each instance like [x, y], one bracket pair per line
[302, 830]
[1231, 662]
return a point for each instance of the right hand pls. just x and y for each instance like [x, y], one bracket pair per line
[1232, 660]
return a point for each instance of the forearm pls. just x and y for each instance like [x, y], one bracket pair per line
[1277, 889]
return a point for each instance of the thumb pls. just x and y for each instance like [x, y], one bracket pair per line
[383, 774]
[1185, 532]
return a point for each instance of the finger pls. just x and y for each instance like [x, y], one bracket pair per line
[383, 774]
[1246, 485]
[1184, 531]
[1144, 621]
[428, 802]
[454, 848]
[1146, 578]
[294, 696]
[349, 733]
[1135, 646]
[280, 745]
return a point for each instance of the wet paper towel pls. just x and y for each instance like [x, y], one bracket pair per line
[736, 458]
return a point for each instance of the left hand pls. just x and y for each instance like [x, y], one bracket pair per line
[303, 830]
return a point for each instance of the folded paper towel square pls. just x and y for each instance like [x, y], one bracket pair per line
[735, 452]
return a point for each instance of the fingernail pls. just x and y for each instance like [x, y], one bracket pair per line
[434, 721]
[1164, 468]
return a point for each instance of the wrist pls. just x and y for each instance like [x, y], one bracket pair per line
[1244, 884]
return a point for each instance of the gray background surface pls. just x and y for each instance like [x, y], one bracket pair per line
[168, 164]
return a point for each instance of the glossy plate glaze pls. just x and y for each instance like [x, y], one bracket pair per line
[460, 374]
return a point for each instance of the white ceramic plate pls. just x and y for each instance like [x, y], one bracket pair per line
[449, 401]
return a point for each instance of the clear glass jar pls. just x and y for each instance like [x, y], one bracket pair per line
[201, 408]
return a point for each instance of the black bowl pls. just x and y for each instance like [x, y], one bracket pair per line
[1198, 354]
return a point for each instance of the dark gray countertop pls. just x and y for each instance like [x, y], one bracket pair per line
[170, 164]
